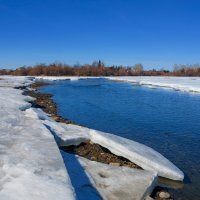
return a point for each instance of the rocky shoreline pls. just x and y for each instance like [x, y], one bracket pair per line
[89, 150]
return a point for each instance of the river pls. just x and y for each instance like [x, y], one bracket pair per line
[164, 119]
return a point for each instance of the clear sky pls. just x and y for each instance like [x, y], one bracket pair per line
[156, 33]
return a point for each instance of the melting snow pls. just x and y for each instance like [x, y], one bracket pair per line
[186, 84]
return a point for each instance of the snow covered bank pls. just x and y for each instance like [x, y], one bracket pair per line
[31, 166]
[15, 81]
[186, 84]
[60, 78]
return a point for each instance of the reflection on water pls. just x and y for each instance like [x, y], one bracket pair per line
[166, 120]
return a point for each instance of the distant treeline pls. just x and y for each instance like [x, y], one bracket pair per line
[98, 68]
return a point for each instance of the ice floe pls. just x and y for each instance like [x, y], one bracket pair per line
[68, 134]
[138, 153]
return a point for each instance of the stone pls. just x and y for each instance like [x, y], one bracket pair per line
[91, 142]
[114, 164]
[164, 195]
[93, 158]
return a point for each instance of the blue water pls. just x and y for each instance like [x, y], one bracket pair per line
[164, 119]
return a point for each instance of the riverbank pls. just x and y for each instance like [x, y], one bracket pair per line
[91, 150]
[67, 134]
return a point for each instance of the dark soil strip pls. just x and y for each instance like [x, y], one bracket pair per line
[98, 153]
[45, 102]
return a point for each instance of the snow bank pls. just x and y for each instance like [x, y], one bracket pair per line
[15, 81]
[56, 78]
[31, 166]
[116, 183]
[186, 84]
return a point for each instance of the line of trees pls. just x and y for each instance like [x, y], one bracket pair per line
[187, 70]
[98, 68]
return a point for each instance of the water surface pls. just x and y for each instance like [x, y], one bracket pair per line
[164, 119]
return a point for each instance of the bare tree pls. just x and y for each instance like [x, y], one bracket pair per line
[137, 69]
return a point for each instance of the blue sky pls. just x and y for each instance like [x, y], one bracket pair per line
[156, 33]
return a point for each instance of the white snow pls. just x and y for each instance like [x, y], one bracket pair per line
[37, 114]
[65, 134]
[17, 81]
[186, 84]
[31, 166]
[68, 134]
[116, 183]
[60, 78]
